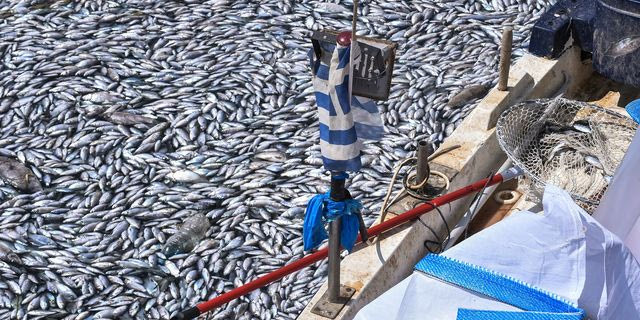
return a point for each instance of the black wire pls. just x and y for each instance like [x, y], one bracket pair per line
[440, 244]
[475, 199]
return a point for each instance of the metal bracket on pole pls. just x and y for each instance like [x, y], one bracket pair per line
[337, 295]
[330, 310]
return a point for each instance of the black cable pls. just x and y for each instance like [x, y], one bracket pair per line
[475, 199]
[440, 244]
[446, 240]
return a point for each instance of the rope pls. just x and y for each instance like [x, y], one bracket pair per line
[408, 185]
[397, 170]
[390, 188]
[386, 203]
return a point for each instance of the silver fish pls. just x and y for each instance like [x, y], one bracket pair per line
[8, 256]
[18, 175]
[133, 118]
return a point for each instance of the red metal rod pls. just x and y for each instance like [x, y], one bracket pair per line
[436, 202]
[412, 214]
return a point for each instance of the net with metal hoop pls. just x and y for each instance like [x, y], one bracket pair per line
[574, 145]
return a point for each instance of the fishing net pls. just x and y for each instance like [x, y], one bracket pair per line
[574, 145]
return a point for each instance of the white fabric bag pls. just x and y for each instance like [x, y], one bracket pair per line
[619, 209]
[563, 251]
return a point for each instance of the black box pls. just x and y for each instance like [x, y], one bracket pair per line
[372, 75]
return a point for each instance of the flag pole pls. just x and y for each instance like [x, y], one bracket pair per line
[354, 21]
[353, 47]
[338, 193]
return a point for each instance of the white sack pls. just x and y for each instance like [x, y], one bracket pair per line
[563, 250]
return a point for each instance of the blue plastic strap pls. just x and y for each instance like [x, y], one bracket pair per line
[321, 208]
[313, 232]
[537, 304]
[349, 224]
[633, 108]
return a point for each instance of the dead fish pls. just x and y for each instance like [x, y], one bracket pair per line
[9, 256]
[64, 291]
[594, 161]
[128, 119]
[559, 148]
[188, 236]
[582, 126]
[331, 7]
[93, 110]
[467, 94]
[624, 47]
[228, 85]
[102, 97]
[273, 156]
[186, 176]
[18, 175]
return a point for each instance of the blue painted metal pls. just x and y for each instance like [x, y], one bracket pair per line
[633, 109]
[564, 19]
[616, 40]
[599, 27]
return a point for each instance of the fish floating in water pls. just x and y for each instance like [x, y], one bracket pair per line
[18, 175]
[136, 115]
[7, 255]
[188, 236]
[467, 94]
[129, 119]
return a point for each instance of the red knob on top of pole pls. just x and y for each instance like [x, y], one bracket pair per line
[344, 38]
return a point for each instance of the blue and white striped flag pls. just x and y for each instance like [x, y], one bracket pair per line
[345, 120]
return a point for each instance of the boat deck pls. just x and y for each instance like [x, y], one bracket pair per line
[373, 269]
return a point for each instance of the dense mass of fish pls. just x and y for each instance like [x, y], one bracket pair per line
[126, 117]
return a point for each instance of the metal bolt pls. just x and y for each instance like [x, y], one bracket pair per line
[505, 58]
[422, 167]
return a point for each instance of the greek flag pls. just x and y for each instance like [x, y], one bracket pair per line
[345, 120]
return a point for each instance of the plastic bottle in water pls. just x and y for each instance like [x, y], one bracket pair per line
[188, 236]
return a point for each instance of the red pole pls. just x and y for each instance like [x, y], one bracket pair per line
[305, 261]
